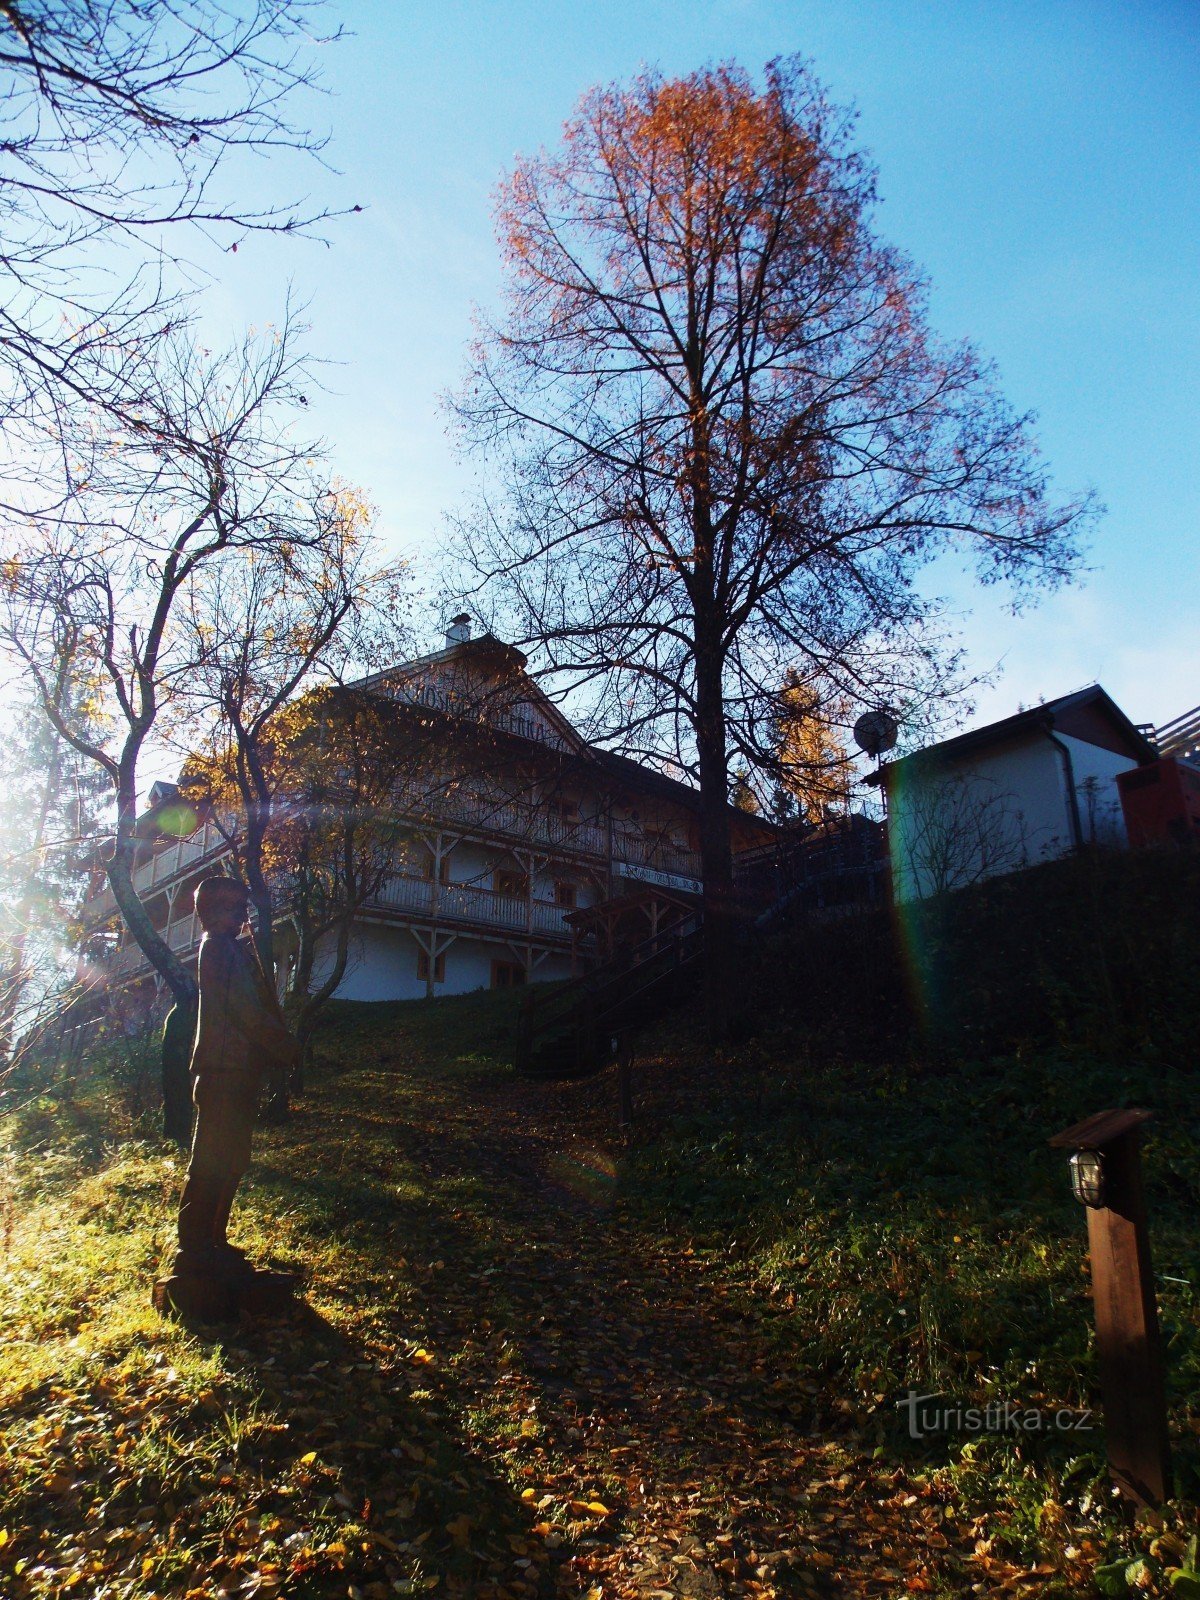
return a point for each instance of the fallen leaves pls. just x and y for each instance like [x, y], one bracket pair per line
[550, 1401]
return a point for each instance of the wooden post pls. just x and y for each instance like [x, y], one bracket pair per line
[525, 1032]
[586, 1045]
[1132, 1378]
[624, 1053]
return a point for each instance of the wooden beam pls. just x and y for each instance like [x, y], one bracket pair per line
[1128, 1346]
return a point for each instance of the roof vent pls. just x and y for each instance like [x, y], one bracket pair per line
[459, 630]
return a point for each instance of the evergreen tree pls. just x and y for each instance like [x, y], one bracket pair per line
[51, 820]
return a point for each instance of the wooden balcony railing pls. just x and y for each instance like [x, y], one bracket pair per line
[509, 820]
[487, 712]
[520, 821]
[463, 904]
[183, 937]
[472, 904]
[168, 862]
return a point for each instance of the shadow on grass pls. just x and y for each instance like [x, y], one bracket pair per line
[508, 1308]
[313, 1461]
[363, 1434]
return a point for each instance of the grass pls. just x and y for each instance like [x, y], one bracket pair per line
[919, 1226]
[917, 1234]
[535, 1360]
[153, 1458]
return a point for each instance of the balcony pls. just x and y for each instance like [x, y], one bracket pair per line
[464, 905]
[656, 861]
[534, 824]
[183, 937]
[521, 822]
[467, 904]
[489, 712]
[452, 904]
[517, 823]
[168, 862]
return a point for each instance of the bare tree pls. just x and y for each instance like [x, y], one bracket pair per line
[722, 440]
[352, 762]
[950, 830]
[263, 630]
[348, 772]
[118, 121]
[208, 474]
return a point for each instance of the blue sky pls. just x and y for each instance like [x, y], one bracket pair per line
[1038, 158]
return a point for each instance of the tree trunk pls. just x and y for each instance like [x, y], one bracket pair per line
[153, 946]
[314, 1004]
[179, 1035]
[257, 822]
[306, 954]
[183, 987]
[716, 843]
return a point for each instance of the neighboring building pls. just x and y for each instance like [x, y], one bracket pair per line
[1161, 802]
[1006, 796]
[498, 851]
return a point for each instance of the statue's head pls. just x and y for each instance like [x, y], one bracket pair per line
[220, 905]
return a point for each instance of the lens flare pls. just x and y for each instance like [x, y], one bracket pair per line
[178, 820]
[913, 923]
[589, 1175]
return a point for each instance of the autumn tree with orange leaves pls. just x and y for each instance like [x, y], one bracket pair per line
[720, 440]
[307, 797]
[297, 613]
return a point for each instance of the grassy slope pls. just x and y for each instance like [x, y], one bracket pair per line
[534, 1362]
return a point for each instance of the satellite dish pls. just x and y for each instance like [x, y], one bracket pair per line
[875, 732]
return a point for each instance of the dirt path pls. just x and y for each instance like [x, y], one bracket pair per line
[666, 1445]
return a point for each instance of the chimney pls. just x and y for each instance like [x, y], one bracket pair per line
[459, 630]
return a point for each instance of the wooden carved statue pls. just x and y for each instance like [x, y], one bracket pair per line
[240, 1038]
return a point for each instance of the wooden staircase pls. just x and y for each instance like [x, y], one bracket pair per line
[569, 1031]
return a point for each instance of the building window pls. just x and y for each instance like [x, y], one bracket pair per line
[439, 967]
[568, 810]
[566, 894]
[507, 974]
[512, 883]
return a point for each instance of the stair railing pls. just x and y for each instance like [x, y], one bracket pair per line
[585, 1009]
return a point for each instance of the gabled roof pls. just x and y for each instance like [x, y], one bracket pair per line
[617, 768]
[1070, 714]
[649, 781]
[622, 769]
[486, 648]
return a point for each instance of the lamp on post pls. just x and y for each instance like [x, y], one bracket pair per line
[1106, 1178]
[1087, 1178]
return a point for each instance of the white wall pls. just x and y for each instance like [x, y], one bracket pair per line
[1015, 794]
[473, 863]
[469, 965]
[1100, 816]
[383, 965]
[989, 812]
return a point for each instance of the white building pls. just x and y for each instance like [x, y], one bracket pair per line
[1006, 796]
[497, 853]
